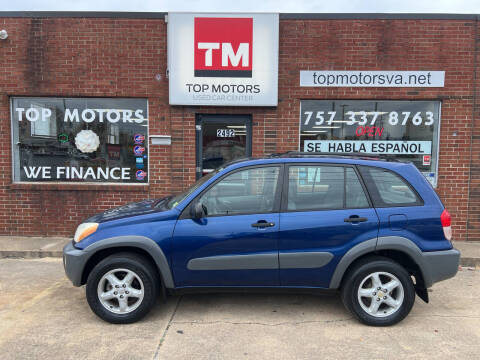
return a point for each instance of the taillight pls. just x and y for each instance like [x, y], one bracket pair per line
[446, 221]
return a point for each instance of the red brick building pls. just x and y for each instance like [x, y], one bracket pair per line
[78, 58]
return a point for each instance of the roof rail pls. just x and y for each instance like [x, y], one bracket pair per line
[389, 157]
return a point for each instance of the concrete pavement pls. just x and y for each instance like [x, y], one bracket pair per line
[43, 316]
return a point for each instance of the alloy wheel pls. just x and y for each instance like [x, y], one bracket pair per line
[380, 294]
[120, 291]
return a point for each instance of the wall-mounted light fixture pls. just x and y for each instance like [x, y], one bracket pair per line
[3, 34]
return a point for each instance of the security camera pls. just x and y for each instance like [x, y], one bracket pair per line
[3, 34]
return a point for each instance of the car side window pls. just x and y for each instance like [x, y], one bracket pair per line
[355, 197]
[388, 188]
[243, 192]
[312, 187]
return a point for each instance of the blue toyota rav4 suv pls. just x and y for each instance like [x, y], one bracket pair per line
[372, 228]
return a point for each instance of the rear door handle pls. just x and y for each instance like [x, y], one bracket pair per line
[263, 224]
[354, 219]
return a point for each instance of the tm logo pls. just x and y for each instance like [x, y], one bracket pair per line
[223, 47]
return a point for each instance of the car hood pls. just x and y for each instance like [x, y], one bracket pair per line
[131, 209]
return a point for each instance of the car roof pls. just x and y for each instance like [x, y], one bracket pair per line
[386, 161]
[320, 155]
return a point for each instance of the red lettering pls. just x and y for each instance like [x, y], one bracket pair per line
[361, 132]
[370, 131]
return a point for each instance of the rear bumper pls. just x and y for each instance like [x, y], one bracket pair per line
[74, 261]
[439, 265]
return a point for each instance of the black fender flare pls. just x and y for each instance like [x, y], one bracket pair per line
[397, 243]
[141, 242]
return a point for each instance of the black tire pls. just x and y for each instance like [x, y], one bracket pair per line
[142, 268]
[360, 271]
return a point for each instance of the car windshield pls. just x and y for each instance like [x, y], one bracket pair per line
[177, 199]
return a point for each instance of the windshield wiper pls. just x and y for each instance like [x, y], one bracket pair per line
[161, 201]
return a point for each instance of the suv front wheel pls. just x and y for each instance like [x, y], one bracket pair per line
[378, 292]
[122, 288]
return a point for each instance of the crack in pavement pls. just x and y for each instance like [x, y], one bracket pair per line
[263, 324]
[162, 339]
[305, 321]
[446, 316]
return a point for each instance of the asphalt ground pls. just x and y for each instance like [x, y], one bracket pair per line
[42, 316]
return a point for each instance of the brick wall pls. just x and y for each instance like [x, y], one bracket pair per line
[473, 224]
[106, 57]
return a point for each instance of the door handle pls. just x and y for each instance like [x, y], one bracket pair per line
[263, 224]
[355, 219]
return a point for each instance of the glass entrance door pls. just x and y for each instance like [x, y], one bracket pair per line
[221, 139]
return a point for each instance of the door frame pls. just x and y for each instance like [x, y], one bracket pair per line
[258, 267]
[235, 119]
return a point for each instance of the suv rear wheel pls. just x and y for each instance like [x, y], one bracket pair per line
[378, 292]
[122, 288]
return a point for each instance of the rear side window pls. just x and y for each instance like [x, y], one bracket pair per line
[312, 187]
[388, 189]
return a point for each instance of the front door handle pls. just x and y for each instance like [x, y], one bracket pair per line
[355, 219]
[263, 224]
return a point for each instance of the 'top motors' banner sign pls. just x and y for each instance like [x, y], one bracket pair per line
[223, 59]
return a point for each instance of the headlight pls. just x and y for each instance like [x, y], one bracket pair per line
[84, 230]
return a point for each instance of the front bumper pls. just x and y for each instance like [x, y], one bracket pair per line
[74, 261]
[440, 265]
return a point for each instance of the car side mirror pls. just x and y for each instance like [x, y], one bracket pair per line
[198, 210]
